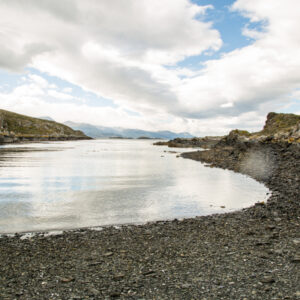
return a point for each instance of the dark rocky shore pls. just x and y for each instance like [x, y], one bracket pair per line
[250, 254]
[206, 142]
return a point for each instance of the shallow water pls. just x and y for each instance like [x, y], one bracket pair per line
[62, 185]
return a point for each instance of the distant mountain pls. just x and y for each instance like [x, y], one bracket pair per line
[102, 132]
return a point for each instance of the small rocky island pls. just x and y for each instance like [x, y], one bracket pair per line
[249, 254]
[19, 128]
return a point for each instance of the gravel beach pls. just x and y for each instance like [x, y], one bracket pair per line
[250, 254]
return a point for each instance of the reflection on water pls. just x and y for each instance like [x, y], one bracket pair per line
[101, 182]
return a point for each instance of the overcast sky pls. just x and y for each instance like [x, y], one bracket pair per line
[203, 66]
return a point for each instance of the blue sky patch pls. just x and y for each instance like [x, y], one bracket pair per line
[229, 23]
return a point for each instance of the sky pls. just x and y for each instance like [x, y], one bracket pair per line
[199, 66]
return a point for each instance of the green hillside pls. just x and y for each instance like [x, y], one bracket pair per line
[21, 126]
[276, 123]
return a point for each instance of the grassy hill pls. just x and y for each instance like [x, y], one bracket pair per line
[277, 123]
[20, 127]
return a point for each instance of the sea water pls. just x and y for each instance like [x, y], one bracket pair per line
[63, 185]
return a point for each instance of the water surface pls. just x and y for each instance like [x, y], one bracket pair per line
[62, 185]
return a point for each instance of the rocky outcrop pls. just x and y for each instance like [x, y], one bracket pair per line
[19, 128]
[277, 129]
[260, 154]
[281, 123]
[282, 127]
[205, 142]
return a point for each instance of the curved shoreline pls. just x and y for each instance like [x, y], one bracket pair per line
[249, 254]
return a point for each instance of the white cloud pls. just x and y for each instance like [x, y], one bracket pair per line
[122, 50]
[228, 104]
[40, 81]
[59, 95]
[113, 48]
[68, 90]
[251, 77]
[28, 90]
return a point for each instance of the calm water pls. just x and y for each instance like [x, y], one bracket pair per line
[92, 183]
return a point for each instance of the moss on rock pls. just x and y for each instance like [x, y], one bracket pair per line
[279, 123]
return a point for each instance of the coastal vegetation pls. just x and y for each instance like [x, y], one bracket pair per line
[16, 127]
[280, 123]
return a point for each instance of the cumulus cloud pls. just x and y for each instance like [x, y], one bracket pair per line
[36, 98]
[128, 51]
[114, 48]
[266, 71]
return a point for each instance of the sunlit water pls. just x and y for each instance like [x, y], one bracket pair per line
[101, 182]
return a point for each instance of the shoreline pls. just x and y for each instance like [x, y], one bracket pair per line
[20, 140]
[253, 253]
